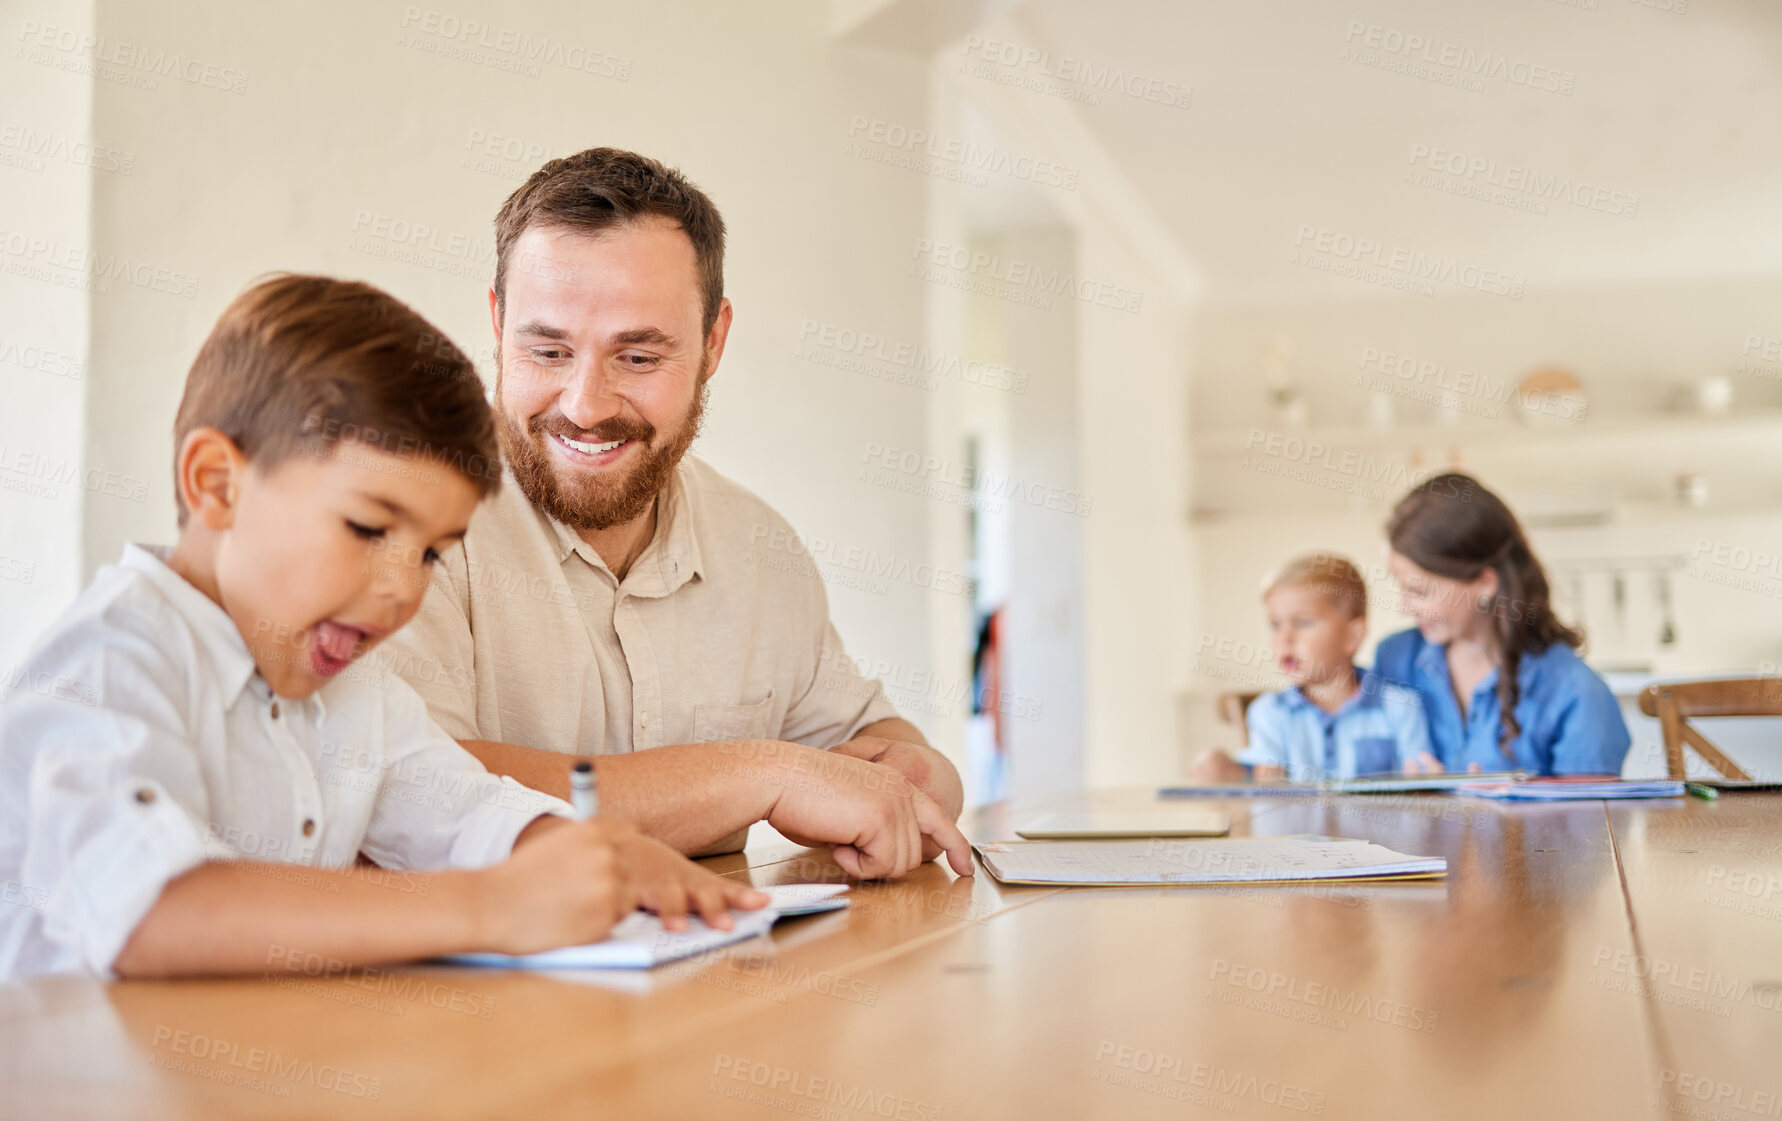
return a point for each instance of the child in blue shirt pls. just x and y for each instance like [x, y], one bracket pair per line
[1334, 721]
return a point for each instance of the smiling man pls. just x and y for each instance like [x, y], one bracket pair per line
[620, 603]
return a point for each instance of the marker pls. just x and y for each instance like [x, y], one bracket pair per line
[581, 791]
[1701, 790]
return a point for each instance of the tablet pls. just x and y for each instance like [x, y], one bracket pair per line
[1109, 824]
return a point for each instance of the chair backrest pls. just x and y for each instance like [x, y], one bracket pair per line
[1676, 703]
[1232, 707]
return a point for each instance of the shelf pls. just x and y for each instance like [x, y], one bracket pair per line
[1670, 427]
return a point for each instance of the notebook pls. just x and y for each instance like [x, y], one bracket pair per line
[1247, 860]
[1106, 824]
[640, 941]
[1388, 783]
[1574, 790]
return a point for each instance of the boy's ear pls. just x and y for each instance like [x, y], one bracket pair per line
[1354, 634]
[209, 477]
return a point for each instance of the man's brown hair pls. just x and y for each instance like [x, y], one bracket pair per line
[302, 363]
[601, 189]
[1337, 579]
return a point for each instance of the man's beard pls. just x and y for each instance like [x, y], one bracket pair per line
[585, 503]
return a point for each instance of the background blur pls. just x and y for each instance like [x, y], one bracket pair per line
[1092, 311]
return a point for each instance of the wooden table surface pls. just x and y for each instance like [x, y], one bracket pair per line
[1581, 961]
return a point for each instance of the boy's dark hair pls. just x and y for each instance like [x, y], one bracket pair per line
[600, 189]
[302, 363]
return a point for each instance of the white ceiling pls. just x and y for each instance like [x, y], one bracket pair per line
[1683, 109]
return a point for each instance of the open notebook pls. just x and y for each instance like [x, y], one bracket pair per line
[640, 941]
[1249, 860]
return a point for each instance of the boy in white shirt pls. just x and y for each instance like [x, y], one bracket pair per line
[214, 726]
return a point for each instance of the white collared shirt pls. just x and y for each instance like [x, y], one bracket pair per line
[137, 741]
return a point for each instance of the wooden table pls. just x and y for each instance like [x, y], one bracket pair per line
[1587, 960]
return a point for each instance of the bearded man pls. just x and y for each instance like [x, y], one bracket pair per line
[619, 602]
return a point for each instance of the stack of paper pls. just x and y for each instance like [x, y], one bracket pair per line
[641, 941]
[1252, 860]
[1573, 789]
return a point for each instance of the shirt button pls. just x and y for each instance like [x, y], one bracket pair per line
[275, 710]
[309, 827]
[145, 795]
[644, 719]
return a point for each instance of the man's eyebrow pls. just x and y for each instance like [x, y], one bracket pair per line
[536, 329]
[644, 335]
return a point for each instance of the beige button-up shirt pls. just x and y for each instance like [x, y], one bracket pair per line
[720, 631]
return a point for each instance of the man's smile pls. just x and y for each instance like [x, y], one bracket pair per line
[585, 452]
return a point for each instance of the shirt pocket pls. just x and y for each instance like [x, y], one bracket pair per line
[1374, 754]
[716, 723]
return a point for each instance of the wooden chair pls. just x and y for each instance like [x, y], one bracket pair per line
[1675, 704]
[1231, 708]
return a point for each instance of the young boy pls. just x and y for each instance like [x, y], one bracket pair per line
[207, 727]
[1334, 721]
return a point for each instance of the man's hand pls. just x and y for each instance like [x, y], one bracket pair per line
[873, 817]
[907, 759]
[933, 774]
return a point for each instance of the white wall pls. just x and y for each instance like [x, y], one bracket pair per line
[47, 165]
[355, 131]
[1140, 569]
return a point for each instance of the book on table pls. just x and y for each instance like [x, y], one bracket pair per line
[1245, 860]
[640, 941]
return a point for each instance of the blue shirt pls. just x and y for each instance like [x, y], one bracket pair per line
[1376, 730]
[1571, 723]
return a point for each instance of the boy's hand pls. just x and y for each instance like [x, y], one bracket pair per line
[671, 885]
[1215, 766]
[564, 885]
